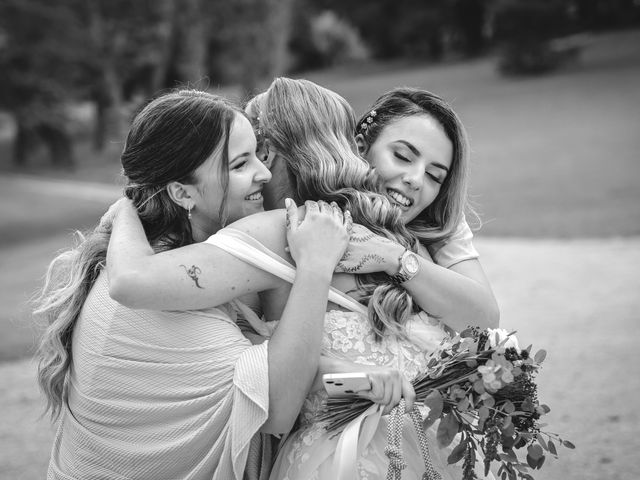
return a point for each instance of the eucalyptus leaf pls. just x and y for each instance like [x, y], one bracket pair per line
[447, 430]
[568, 444]
[458, 453]
[540, 356]
[552, 447]
[542, 442]
[535, 451]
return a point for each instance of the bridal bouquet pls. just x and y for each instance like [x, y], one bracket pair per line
[480, 385]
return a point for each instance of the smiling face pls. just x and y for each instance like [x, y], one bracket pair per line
[413, 156]
[247, 175]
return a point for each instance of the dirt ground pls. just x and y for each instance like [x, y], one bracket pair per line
[577, 299]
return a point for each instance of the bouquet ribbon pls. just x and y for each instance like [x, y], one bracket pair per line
[353, 439]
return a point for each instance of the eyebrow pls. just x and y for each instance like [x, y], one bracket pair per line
[239, 156]
[416, 152]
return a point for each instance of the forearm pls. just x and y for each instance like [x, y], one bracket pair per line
[192, 277]
[459, 297]
[457, 300]
[294, 348]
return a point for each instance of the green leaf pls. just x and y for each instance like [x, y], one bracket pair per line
[447, 430]
[568, 444]
[552, 448]
[435, 403]
[532, 461]
[540, 356]
[508, 407]
[458, 453]
[542, 443]
[478, 386]
[540, 462]
[510, 455]
[535, 451]
[463, 405]
[483, 412]
[489, 402]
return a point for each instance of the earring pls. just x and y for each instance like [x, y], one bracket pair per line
[189, 211]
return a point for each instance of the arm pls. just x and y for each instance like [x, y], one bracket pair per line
[459, 295]
[316, 244]
[193, 277]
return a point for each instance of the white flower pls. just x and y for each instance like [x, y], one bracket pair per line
[497, 335]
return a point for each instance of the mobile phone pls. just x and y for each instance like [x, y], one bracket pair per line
[345, 384]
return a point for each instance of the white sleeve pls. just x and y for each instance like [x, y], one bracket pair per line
[458, 248]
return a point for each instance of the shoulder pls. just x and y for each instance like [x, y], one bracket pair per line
[268, 228]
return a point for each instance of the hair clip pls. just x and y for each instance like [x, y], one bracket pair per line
[368, 121]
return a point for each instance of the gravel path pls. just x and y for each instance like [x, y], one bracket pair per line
[577, 299]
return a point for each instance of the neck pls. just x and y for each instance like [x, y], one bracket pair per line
[202, 230]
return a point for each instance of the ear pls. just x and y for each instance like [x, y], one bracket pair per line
[181, 194]
[362, 145]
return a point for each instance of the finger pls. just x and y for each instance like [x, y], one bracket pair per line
[312, 207]
[292, 214]
[323, 206]
[348, 221]
[337, 211]
[409, 394]
[376, 394]
[396, 393]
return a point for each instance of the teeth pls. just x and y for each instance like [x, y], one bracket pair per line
[254, 196]
[401, 199]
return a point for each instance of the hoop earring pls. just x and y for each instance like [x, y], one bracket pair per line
[189, 211]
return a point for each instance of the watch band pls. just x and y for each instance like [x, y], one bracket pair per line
[405, 274]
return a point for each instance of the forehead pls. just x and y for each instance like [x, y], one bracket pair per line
[424, 133]
[241, 135]
[414, 127]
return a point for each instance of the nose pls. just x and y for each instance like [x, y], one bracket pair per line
[413, 177]
[263, 174]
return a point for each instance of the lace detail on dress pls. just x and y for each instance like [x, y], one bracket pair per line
[349, 336]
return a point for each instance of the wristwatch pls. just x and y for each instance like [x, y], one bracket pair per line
[409, 267]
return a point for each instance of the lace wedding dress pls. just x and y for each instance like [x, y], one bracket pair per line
[309, 453]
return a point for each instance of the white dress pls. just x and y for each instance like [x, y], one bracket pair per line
[310, 451]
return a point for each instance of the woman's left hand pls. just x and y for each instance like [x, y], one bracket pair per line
[369, 253]
[388, 386]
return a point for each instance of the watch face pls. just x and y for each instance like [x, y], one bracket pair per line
[411, 263]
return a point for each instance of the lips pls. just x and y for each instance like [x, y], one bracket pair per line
[254, 196]
[399, 198]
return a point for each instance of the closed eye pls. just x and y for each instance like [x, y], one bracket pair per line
[401, 157]
[435, 178]
[239, 165]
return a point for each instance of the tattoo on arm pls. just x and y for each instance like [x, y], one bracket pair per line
[367, 259]
[193, 273]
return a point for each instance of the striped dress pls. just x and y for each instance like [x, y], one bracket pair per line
[159, 395]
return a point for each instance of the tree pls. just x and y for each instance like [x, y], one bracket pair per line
[38, 60]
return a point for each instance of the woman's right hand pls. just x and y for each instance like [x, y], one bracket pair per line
[321, 238]
[388, 386]
[106, 222]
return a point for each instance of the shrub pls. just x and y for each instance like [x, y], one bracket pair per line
[523, 30]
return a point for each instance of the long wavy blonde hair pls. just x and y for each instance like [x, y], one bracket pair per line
[311, 128]
[168, 140]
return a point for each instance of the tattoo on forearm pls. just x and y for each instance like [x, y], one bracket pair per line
[367, 259]
[357, 237]
[193, 273]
